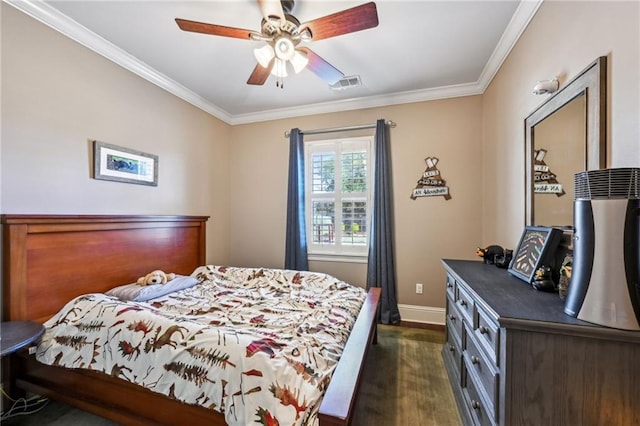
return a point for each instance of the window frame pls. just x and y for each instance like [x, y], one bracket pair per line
[337, 251]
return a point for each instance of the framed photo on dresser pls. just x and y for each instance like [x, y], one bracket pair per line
[536, 248]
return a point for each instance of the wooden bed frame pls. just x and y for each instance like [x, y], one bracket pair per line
[50, 259]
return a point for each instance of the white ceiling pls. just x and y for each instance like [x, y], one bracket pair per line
[420, 50]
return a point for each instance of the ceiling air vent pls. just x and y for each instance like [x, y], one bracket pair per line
[347, 83]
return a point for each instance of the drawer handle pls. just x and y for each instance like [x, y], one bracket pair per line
[475, 404]
[449, 285]
[452, 317]
[463, 303]
[484, 330]
[475, 360]
[451, 348]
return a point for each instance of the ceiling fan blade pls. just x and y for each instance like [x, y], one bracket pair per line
[271, 8]
[260, 74]
[321, 68]
[212, 29]
[347, 21]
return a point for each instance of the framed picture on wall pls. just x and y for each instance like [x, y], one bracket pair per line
[536, 248]
[111, 162]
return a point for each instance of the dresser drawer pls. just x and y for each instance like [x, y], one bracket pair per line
[487, 333]
[475, 403]
[453, 352]
[483, 372]
[451, 287]
[454, 321]
[465, 304]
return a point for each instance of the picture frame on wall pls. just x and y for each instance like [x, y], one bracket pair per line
[536, 248]
[115, 163]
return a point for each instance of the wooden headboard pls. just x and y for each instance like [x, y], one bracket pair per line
[50, 259]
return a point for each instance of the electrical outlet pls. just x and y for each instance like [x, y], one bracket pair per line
[418, 288]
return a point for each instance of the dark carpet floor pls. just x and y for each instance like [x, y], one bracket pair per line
[404, 383]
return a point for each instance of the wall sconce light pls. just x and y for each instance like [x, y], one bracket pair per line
[546, 86]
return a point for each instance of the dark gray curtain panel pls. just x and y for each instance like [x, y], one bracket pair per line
[381, 267]
[296, 239]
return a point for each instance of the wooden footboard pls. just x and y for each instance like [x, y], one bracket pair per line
[50, 259]
[340, 397]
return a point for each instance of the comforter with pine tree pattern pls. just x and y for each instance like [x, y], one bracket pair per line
[258, 345]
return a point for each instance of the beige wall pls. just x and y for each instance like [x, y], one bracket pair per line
[57, 95]
[562, 39]
[427, 229]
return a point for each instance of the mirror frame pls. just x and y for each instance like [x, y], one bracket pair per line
[591, 82]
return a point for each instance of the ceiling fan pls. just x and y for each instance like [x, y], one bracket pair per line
[282, 33]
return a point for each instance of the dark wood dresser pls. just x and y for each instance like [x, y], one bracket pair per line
[515, 358]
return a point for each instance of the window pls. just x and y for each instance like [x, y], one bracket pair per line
[338, 196]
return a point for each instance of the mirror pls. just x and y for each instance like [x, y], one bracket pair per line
[564, 136]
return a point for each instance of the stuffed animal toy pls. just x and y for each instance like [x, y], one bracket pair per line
[489, 254]
[155, 277]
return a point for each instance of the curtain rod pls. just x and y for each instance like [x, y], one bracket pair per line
[341, 129]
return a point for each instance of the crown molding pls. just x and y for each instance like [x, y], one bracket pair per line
[455, 91]
[519, 22]
[53, 18]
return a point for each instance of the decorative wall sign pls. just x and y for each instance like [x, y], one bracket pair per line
[544, 180]
[431, 183]
[119, 164]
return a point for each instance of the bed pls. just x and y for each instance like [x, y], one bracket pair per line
[51, 259]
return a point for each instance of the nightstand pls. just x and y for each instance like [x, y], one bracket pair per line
[15, 335]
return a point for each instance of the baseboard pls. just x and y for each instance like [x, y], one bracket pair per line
[422, 314]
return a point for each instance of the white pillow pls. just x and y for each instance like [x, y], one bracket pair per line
[138, 293]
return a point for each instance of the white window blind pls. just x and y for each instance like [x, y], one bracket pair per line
[338, 196]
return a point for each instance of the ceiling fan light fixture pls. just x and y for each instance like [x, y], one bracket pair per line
[284, 48]
[305, 34]
[279, 68]
[299, 61]
[264, 55]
